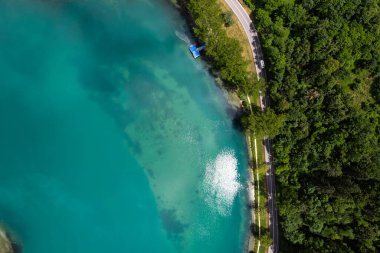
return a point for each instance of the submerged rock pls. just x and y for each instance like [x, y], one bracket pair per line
[5, 243]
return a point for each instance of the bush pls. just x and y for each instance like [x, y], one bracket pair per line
[227, 18]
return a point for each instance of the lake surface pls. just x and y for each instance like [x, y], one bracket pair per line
[112, 137]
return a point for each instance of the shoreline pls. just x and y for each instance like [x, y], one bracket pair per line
[250, 239]
[6, 243]
[234, 100]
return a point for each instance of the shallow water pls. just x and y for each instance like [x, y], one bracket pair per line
[113, 139]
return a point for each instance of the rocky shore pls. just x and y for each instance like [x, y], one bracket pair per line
[6, 245]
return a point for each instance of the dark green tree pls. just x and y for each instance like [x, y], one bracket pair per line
[227, 18]
[266, 123]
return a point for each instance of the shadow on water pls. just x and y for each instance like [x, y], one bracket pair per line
[236, 122]
[113, 48]
[231, 112]
[172, 224]
[112, 51]
[17, 248]
[108, 51]
[14, 243]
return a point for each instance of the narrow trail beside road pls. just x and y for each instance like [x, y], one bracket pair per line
[254, 42]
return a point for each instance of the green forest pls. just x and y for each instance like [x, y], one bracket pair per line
[323, 64]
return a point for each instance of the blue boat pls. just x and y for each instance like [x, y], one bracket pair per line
[195, 50]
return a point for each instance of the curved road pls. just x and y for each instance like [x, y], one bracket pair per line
[254, 42]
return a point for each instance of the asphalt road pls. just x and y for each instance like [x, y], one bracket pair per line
[254, 42]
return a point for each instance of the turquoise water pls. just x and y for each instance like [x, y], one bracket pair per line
[112, 138]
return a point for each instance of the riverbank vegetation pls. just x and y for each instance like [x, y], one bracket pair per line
[236, 31]
[224, 52]
[323, 63]
[229, 52]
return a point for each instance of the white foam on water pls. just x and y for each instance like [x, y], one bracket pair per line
[221, 182]
[183, 37]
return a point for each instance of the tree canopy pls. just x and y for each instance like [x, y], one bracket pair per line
[225, 52]
[264, 124]
[323, 63]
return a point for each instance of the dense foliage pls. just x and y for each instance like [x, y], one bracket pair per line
[225, 52]
[263, 124]
[323, 59]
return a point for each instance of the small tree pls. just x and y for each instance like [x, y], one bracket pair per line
[227, 18]
[247, 86]
[265, 239]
